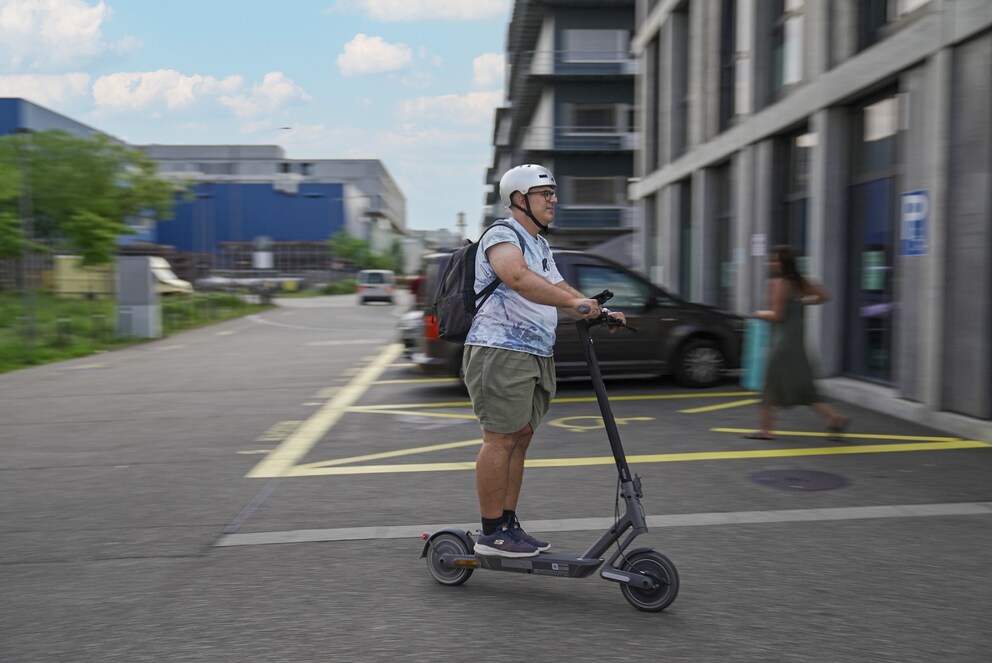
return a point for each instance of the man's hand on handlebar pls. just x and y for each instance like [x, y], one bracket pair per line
[615, 320]
[586, 309]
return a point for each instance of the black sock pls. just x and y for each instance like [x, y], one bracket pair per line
[509, 516]
[490, 525]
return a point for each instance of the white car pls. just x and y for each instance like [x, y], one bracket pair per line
[376, 285]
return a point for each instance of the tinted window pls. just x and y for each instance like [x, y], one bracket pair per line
[627, 290]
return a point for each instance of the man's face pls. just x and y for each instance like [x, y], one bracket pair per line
[542, 201]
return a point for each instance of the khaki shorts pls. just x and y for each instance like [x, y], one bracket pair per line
[508, 389]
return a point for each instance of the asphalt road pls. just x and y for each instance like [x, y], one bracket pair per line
[255, 491]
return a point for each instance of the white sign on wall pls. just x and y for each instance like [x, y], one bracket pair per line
[759, 245]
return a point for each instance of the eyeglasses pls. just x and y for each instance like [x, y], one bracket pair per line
[548, 195]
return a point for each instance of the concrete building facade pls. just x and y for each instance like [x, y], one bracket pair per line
[856, 130]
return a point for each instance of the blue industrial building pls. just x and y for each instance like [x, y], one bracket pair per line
[239, 198]
[219, 213]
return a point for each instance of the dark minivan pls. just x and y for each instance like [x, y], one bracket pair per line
[695, 343]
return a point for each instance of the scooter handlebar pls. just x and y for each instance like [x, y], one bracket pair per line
[602, 298]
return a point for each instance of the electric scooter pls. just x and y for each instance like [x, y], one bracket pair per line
[647, 579]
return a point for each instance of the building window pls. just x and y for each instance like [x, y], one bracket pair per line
[874, 17]
[728, 57]
[680, 80]
[787, 41]
[652, 112]
[595, 45]
[591, 118]
[685, 238]
[723, 225]
[792, 163]
[875, 162]
[594, 191]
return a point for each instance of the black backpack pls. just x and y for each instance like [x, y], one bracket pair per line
[455, 301]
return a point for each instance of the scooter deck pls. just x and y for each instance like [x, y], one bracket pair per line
[545, 564]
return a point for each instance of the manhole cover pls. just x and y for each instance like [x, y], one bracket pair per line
[798, 480]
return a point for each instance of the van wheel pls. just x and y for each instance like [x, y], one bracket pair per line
[699, 363]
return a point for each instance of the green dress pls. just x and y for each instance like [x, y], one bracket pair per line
[789, 376]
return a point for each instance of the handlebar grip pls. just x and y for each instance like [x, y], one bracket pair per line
[603, 297]
[583, 308]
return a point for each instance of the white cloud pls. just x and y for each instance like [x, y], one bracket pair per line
[474, 108]
[426, 10]
[141, 90]
[50, 90]
[488, 70]
[373, 55]
[46, 34]
[274, 92]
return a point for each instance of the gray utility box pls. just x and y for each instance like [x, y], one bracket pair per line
[139, 314]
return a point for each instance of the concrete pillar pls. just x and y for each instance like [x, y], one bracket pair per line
[827, 229]
[704, 70]
[936, 140]
[705, 281]
[742, 195]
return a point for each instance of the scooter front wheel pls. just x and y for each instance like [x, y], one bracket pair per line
[447, 544]
[666, 581]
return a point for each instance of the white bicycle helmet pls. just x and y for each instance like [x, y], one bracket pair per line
[523, 179]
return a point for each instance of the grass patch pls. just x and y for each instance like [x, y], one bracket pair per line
[62, 329]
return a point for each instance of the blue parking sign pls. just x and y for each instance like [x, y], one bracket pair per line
[914, 214]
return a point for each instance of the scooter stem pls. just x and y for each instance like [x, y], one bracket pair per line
[604, 403]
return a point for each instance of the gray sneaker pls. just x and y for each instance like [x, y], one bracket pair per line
[514, 526]
[504, 543]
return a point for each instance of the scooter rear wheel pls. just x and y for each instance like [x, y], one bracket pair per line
[662, 571]
[447, 544]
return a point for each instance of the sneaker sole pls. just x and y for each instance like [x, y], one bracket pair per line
[481, 549]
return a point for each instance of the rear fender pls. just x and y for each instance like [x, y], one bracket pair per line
[460, 533]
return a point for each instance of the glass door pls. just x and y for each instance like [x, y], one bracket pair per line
[869, 332]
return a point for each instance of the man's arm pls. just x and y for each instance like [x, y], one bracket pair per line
[508, 263]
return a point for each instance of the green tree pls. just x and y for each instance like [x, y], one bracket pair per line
[83, 190]
[345, 246]
[11, 236]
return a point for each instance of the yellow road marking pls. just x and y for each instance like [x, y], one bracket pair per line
[417, 380]
[311, 470]
[596, 425]
[721, 406]
[579, 399]
[441, 415]
[851, 436]
[393, 454]
[284, 457]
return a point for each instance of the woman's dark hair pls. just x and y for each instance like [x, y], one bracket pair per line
[786, 257]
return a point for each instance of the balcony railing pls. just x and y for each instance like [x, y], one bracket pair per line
[578, 63]
[585, 217]
[581, 139]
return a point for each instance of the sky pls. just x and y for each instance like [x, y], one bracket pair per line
[412, 83]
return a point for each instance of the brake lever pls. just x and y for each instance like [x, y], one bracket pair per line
[610, 321]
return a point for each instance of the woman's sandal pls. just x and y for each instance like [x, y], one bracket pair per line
[758, 435]
[836, 432]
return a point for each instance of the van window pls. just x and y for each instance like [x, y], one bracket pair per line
[627, 290]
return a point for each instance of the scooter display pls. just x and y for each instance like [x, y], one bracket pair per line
[648, 579]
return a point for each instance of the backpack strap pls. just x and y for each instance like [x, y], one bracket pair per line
[487, 291]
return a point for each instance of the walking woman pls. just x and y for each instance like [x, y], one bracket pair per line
[789, 376]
